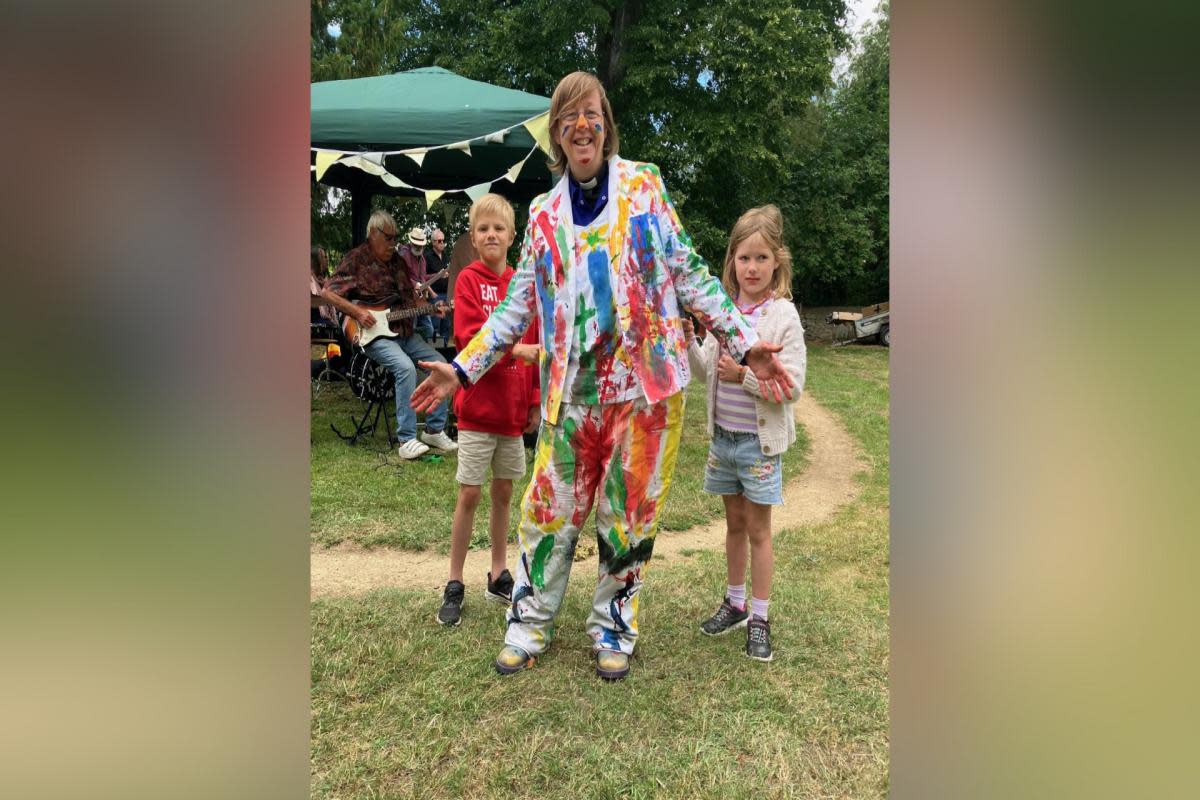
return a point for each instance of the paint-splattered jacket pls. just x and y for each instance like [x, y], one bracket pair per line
[654, 273]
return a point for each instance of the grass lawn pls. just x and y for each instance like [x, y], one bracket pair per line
[404, 708]
[367, 495]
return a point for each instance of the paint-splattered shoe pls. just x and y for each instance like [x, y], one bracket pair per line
[513, 659]
[611, 665]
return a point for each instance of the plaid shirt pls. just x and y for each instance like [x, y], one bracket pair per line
[362, 279]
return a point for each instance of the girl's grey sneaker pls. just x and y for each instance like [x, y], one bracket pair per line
[500, 590]
[758, 640]
[726, 619]
[452, 599]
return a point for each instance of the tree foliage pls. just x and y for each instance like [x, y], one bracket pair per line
[837, 202]
[731, 99]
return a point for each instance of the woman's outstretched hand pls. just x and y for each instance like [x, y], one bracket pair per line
[769, 371]
[439, 386]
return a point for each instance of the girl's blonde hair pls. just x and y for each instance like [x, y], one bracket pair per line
[570, 91]
[766, 221]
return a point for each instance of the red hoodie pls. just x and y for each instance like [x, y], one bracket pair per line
[500, 401]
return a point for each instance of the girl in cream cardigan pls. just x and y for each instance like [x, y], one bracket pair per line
[750, 429]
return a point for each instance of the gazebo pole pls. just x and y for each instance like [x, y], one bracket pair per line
[360, 212]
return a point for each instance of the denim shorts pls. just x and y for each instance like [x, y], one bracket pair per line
[736, 465]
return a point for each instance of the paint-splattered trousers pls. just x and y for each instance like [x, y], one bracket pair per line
[619, 458]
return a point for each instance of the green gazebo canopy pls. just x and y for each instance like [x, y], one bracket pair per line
[428, 108]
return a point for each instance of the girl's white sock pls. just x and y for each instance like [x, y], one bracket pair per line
[758, 608]
[737, 597]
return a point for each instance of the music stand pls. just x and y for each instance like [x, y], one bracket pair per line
[374, 386]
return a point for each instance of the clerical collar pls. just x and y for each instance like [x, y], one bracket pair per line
[588, 199]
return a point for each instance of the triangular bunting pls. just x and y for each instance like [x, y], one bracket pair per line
[324, 159]
[365, 164]
[464, 146]
[512, 174]
[539, 129]
[477, 191]
[431, 196]
[497, 137]
[416, 155]
[392, 180]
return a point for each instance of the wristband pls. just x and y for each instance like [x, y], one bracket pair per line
[462, 376]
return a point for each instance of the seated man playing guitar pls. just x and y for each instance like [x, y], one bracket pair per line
[373, 276]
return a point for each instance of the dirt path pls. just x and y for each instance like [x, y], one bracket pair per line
[826, 484]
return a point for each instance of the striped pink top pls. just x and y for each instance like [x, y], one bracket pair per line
[735, 410]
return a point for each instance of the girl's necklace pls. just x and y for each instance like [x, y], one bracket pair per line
[755, 306]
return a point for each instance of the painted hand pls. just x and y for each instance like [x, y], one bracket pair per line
[773, 379]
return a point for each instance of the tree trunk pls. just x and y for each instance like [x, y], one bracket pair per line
[360, 213]
[610, 44]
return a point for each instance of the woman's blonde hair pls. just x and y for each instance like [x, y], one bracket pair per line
[570, 91]
[766, 221]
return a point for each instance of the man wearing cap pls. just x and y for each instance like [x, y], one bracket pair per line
[413, 256]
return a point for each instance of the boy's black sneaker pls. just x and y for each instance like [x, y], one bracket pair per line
[500, 590]
[726, 619]
[758, 640]
[452, 599]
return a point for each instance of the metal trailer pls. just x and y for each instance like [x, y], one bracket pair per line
[873, 322]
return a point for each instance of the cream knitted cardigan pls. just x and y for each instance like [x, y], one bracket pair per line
[780, 324]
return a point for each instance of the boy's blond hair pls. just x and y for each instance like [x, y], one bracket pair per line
[492, 205]
[768, 222]
[570, 91]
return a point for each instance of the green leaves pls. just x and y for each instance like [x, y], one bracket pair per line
[719, 93]
[837, 203]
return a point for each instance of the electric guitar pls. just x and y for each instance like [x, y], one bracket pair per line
[432, 279]
[384, 316]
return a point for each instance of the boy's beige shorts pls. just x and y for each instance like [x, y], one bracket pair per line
[477, 450]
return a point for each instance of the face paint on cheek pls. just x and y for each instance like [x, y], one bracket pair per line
[597, 128]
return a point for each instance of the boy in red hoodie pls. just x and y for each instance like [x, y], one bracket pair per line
[493, 412]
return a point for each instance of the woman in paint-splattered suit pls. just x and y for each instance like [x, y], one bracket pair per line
[606, 267]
